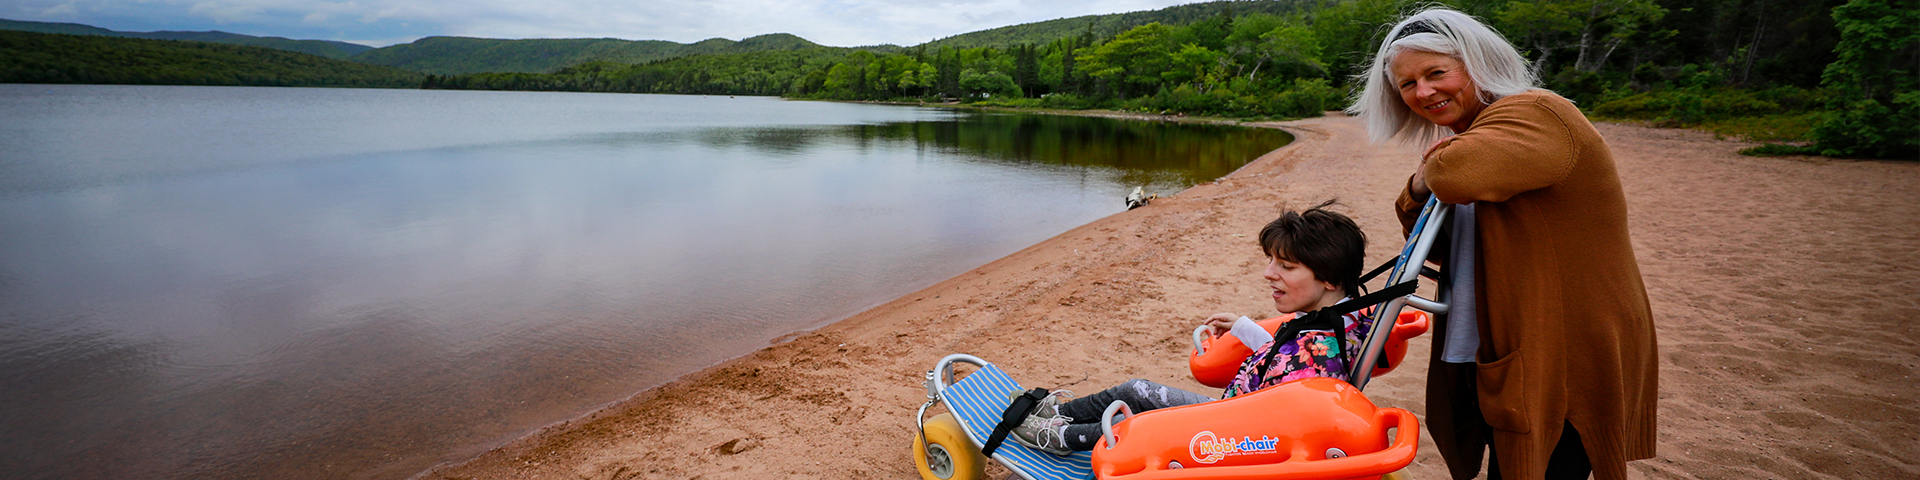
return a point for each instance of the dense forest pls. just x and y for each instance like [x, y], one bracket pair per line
[1833, 77]
[457, 55]
[1112, 24]
[460, 55]
[1836, 74]
[324, 48]
[27, 57]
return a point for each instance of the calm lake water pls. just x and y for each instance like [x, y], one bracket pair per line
[204, 282]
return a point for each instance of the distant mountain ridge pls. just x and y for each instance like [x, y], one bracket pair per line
[34, 57]
[461, 55]
[445, 55]
[1113, 23]
[325, 48]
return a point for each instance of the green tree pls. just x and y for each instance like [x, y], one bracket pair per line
[843, 80]
[1593, 29]
[947, 64]
[1350, 32]
[1061, 68]
[920, 79]
[1294, 44]
[1210, 33]
[1261, 41]
[1246, 48]
[894, 75]
[1877, 113]
[1026, 69]
[1192, 64]
[1133, 60]
[988, 84]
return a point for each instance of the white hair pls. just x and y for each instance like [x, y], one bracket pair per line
[1495, 67]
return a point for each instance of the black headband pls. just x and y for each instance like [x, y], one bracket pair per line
[1418, 26]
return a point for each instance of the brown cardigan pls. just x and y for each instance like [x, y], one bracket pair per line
[1566, 335]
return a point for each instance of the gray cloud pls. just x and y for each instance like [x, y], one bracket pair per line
[384, 22]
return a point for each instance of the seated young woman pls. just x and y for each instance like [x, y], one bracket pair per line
[1314, 261]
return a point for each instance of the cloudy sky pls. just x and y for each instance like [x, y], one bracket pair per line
[386, 22]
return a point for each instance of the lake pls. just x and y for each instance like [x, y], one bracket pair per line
[214, 282]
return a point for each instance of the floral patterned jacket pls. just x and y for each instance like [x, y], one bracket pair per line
[1314, 353]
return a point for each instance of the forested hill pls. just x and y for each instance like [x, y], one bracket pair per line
[458, 55]
[462, 55]
[27, 57]
[1103, 26]
[1839, 74]
[324, 48]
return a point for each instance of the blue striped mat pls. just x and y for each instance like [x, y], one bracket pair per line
[979, 399]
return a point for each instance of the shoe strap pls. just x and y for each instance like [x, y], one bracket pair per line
[1016, 414]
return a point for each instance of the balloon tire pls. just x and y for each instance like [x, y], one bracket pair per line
[949, 448]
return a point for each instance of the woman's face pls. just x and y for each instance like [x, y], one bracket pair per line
[1294, 287]
[1436, 87]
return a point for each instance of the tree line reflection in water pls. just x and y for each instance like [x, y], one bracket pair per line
[1165, 156]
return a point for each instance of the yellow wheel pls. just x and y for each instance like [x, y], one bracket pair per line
[1400, 475]
[947, 454]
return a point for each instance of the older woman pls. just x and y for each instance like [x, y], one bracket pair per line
[1549, 353]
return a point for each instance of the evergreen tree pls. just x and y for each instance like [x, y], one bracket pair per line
[1026, 68]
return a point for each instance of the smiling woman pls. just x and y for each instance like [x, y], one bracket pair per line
[1440, 56]
[1438, 89]
[1539, 259]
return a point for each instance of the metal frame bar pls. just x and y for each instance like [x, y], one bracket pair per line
[1412, 257]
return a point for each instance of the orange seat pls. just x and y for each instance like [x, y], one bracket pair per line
[1316, 428]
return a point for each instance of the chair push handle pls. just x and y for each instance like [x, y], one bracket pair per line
[1106, 420]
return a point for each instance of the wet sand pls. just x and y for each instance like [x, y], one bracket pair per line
[1783, 289]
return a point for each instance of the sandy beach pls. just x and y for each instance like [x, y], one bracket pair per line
[1784, 289]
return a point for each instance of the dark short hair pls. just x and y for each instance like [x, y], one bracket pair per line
[1326, 242]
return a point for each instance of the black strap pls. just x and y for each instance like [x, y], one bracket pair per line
[1426, 271]
[1391, 292]
[1329, 318]
[1015, 414]
[1315, 320]
[1378, 270]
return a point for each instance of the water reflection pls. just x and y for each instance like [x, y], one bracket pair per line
[1193, 153]
[215, 309]
[1165, 156]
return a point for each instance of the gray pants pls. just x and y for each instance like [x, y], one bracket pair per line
[1140, 395]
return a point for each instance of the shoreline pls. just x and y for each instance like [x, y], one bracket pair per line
[778, 341]
[698, 376]
[1115, 298]
[1087, 112]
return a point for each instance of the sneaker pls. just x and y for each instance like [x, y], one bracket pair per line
[1050, 406]
[1043, 434]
